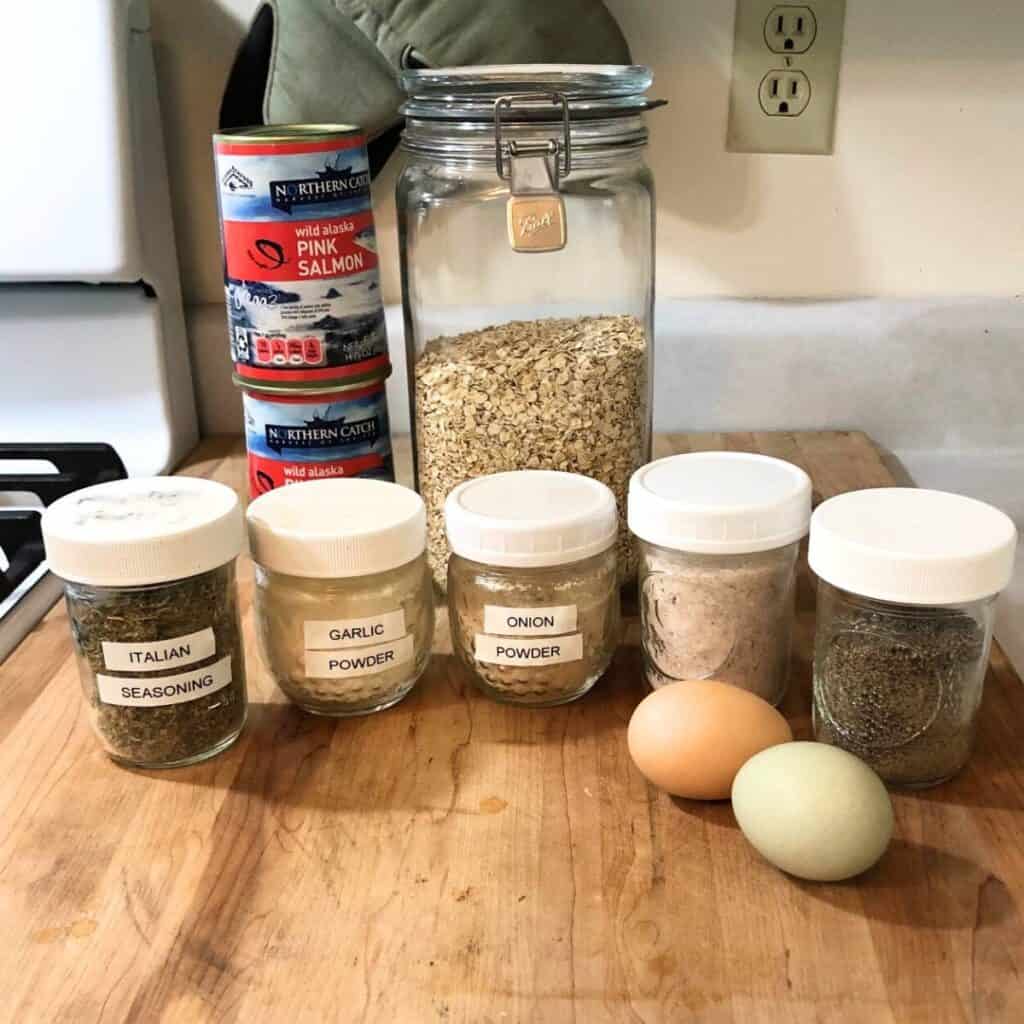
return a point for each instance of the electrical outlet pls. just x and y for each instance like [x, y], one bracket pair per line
[785, 76]
[789, 29]
[784, 93]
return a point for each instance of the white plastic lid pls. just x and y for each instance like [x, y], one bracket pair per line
[129, 533]
[530, 518]
[727, 503]
[336, 528]
[912, 546]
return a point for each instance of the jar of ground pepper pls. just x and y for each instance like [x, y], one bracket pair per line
[719, 534]
[344, 599]
[149, 576]
[906, 600]
[533, 598]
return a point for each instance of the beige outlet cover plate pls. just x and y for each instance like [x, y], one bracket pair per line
[751, 130]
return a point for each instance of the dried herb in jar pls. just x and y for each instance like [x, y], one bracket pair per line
[171, 733]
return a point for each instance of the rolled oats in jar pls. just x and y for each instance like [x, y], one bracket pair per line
[533, 598]
[719, 534]
[344, 601]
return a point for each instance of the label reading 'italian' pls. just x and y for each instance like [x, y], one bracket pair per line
[158, 691]
[530, 621]
[359, 661]
[341, 633]
[503, 650]
[157, 655]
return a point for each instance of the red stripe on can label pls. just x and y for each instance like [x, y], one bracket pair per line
[286, 148]
[258, 373]
[306, 250]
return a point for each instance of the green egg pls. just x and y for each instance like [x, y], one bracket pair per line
[813, 810]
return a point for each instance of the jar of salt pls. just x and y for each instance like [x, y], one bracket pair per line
[906, 600]
[718, 536]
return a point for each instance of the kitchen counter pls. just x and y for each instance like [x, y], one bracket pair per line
[454, 859]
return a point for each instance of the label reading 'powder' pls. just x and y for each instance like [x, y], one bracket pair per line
[359, 661]
[158, 691]
[341, 633]
[530, 621]
[503, 650]
[157, 655]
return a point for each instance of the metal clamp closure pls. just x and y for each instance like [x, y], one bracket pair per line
[506, 150]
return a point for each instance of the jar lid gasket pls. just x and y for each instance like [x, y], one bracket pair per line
[469, 93]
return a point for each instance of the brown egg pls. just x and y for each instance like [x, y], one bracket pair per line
[691, 738]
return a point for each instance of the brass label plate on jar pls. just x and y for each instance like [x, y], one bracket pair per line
[536, 223]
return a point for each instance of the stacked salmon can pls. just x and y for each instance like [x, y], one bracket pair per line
[305, 317]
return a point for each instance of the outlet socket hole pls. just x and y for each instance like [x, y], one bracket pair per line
[783, 107]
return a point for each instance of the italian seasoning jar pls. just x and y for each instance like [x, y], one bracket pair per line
[149, 576]
[344, 600]
[906, 598]
[533, 597]
[526, 228]
[719, 534]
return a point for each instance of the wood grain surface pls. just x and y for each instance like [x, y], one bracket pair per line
[453, 859]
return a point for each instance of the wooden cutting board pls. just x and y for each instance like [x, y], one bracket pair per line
[453, 859]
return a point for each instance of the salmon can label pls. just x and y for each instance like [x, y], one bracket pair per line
[300, 257]
[310, 437]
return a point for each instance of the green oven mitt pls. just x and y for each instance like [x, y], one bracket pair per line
[339, 60]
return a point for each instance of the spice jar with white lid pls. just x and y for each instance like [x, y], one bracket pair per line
[533, 597]
[344, 601]
[906, 599]
[149, 576]
[719, 534]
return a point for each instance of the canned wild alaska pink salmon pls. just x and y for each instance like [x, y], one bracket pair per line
[300, 255]
[295, 436]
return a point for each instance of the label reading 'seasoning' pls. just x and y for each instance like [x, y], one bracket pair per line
[158, 655]
[157, 691]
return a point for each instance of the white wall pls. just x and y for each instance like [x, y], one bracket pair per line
[922, 196]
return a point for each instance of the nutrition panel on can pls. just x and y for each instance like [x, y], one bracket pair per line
[300, 257]
[311, 437]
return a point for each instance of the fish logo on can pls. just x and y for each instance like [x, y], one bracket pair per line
[300, 255]
[295, 437]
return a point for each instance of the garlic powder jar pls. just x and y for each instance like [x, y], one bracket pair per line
[344, 601]
[719, 534]
[533, 597]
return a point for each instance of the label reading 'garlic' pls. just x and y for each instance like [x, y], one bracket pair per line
[157, 655]
[503, 650]
[530, 621]
[333, 635]
[360, 661]
[158, 691]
